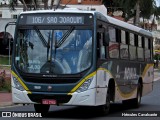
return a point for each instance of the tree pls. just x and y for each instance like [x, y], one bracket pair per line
[156, 12]
[109, 5]
[27, 4]
[33, 4]
[45, 4]
[132, 8]
[137, 17]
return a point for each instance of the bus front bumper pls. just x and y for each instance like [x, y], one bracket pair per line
[86, 98]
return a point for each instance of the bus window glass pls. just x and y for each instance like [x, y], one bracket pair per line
[102, 47]
[113, 50]
[45, 51]
[140, 52]
[147, 50]
[103, 55]
[146, 42]
[132, 39]
[139, 41]
[132, 52]
[124, 51]
[147, 55]
[123, 37]
[112, 34]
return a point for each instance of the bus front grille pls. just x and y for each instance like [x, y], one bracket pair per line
[59, 98]
[51, 80]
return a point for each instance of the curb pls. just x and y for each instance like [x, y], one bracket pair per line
[5, 104]
[156, 79]
[9, 104]
[4, 92]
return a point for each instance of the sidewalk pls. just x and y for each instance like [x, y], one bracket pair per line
[5, 99]
[156, 74]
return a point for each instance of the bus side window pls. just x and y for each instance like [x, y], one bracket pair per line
[150, 48]
[113, 42]
[124, 53]
[101, 47]
[140, 50]
[147, 49]
[132, 46]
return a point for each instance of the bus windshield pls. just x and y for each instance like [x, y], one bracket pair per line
[55, 51]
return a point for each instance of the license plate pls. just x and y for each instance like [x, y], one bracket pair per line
[49, 102]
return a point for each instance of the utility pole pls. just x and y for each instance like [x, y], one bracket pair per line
[56, 4]
[137, 13]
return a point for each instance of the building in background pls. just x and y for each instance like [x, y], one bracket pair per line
[95, 5]
[9, 15]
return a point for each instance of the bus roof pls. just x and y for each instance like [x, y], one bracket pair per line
[99, 15]
[66, 10]
[123, 24]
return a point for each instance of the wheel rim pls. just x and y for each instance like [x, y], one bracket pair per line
[139, 95]
[107, 105]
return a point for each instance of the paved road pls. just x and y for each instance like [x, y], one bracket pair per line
[151, 102]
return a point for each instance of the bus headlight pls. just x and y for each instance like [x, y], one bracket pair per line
[85, 85]
[17, 84]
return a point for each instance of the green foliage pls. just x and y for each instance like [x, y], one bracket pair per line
[26, 3]
[5, 80]
[4, 60]
[156, 57]
[12, 4]
[147, 7]
[6, 87]
[156, 11]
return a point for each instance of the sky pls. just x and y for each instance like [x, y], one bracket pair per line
[158, 2]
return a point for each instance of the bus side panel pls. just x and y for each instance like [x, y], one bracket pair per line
[119, 96]
[126, 76]
[148, 77]
[101, 89]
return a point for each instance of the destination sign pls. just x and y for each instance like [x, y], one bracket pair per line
[55, 19]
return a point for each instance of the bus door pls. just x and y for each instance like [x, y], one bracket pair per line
[101, 61]
[101, 58]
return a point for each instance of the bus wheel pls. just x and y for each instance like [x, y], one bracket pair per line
[104, 109]
[137, 101]
[43, 109]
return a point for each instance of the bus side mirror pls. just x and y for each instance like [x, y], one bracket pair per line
[5, 37]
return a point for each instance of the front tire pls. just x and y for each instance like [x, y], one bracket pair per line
[104, 109]
[43, 109]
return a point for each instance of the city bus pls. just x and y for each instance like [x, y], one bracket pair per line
[79, 58]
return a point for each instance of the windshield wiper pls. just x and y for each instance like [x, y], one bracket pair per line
[63, 39]
[48, 48]
[41, 37]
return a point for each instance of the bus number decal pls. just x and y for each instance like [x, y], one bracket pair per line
[130, 73]
[38, 20]
[34, 65]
